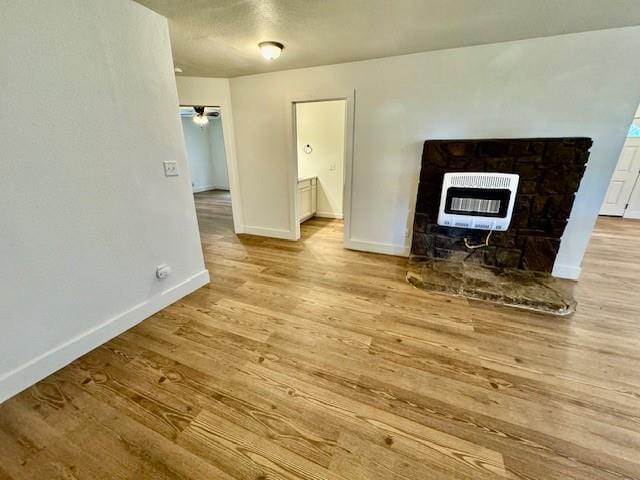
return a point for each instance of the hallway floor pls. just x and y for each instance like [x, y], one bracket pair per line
[306, 360]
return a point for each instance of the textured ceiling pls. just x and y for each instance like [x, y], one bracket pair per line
[219, 38]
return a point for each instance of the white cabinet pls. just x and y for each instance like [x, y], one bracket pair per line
[307, 192]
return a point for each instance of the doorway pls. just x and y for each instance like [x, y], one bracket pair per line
[623, 196]
[321, 146]
[206, 156]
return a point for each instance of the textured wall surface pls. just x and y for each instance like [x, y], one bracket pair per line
[331, 31]
[550, 171]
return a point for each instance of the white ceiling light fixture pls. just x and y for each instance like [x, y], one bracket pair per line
[270, 50]
[201, 120]
[177, 70]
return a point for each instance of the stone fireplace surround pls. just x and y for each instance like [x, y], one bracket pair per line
[550, 171]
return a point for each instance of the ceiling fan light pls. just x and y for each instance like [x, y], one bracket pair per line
[270, 50]
[201, 120]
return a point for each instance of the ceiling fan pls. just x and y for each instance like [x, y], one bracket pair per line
[200, 114]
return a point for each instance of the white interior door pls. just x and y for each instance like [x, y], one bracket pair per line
[623, 180]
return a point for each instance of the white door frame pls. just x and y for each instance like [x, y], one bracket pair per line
[347, 173]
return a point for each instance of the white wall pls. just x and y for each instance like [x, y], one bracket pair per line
[87, 211]
[218, 156]
[214, 92]
[321, 125]
[199, 158]
[205, 154]
[572, 85]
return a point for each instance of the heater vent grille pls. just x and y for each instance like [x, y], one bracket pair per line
[478, 200]
[481, 181]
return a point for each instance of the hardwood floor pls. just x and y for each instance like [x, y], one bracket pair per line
[305, 360]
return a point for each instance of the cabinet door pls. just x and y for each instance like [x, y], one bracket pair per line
[304, 203]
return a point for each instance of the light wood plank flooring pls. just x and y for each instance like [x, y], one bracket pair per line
[307, 361]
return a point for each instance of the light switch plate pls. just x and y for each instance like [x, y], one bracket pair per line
[170, 169]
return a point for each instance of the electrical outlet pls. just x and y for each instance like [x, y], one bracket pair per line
[170, 169]
[163, 271]
[332, 167]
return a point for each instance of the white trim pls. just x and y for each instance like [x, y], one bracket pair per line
[292, 171]
[569, 272]
[207, 188]
[375, 247]
[632, 214]
[40, 367]
[329, 215]
[268, 232]
[349, 155]
[202, 189]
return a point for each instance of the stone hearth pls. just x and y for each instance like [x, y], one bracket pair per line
[505, 286]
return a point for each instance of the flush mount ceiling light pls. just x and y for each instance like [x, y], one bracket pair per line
[177, 70]
[270, 50]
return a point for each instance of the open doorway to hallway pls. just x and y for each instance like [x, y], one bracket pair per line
[320, 152]
[204, 140]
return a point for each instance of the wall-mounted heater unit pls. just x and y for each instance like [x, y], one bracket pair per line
[481, 201]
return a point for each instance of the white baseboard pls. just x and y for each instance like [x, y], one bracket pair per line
[269, 232]
[375, 247]
[569, 272]
[206, 188]
[632, 214]
[328, 215]
[210, 187]
[44, 365]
